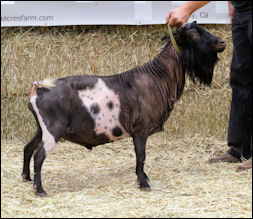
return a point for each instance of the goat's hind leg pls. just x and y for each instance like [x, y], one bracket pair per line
[45, 147]
[49, 139]
[39, 157]
[29, 149]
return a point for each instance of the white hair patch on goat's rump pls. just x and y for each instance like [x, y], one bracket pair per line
[47, 138]
[104, 107]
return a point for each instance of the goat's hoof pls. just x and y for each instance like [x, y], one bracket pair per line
[41, 194]
[146, 189]
[41, 191]
[138, 181]
[25, 177]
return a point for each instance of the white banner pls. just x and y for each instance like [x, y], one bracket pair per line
[56, 13]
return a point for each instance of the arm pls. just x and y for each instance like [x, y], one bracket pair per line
[180, 15]
[231, 11]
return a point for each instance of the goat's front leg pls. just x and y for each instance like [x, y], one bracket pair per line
[140, 146]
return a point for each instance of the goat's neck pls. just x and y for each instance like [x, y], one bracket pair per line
[166, 70]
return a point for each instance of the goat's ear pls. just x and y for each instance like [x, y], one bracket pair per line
[181, 29]
[193, 24]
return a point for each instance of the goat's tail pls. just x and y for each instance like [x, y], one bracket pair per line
[47, 83]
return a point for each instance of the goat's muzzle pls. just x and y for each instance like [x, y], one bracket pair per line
[220, 46]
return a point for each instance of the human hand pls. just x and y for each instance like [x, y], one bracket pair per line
[178, 16]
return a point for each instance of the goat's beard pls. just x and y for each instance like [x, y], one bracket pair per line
[199, 66]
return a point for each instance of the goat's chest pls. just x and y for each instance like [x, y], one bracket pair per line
[103, 105]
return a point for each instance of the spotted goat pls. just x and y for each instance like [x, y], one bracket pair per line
[94, 110]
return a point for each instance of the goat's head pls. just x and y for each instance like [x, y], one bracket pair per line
[199, 50]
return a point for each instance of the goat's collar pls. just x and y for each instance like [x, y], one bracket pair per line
[174, 43]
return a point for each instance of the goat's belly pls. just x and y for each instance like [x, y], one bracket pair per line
[87, 141]
[103, 106]
[88, 136]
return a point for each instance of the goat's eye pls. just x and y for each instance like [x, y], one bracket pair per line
[195, 36]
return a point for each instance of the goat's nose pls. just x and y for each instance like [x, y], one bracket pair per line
[222, 42]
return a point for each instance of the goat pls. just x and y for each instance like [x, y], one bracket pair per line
[94, 110]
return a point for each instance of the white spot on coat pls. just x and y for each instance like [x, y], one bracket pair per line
[107, 118]
[47, 138]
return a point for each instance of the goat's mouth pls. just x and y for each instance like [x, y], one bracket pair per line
[220, 46]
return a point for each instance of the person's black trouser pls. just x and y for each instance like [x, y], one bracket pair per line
[240, 128]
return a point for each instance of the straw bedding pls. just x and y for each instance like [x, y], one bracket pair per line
[102, 182]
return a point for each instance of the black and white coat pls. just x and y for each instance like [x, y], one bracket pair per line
[93, 110]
